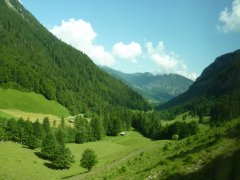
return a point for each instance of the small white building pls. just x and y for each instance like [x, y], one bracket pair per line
[71, 120]
[122, 133]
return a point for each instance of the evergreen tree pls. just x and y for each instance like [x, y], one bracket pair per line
[11, 130]
[49, 146]
[33, 142]
[62, 124]
[61, 133]
[83, 129]
[46, 125]
[97, 128]
[63, 158]
[116, 126]
[38, 130]
[60, 136]
[81, 136]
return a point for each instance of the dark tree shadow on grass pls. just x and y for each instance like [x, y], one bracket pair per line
[195, 149]
[66, 177]
[39, 155]
[182, 154]
[51, 166]
[223, 167]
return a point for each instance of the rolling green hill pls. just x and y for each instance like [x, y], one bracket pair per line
[158, 88]
[22, 104]
[32, 59]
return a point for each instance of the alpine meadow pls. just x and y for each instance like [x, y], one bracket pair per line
[81, 104]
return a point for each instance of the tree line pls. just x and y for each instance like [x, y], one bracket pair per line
[151, 126]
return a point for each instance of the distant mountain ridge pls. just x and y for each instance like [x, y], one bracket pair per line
[159, 88]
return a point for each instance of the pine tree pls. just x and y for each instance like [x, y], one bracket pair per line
[97, 129]
[38, 130]
[63, 158]
[60, 136]
[33, 142]
[116, 127]
[49, 146]
[46, 125]
[83, 128]
[61, 132]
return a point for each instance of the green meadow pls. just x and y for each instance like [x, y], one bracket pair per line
[14, 103]
[19, 162]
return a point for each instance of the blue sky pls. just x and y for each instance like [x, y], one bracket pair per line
[157, 36]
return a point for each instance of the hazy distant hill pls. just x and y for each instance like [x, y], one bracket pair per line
[32, 59]
[154, 87]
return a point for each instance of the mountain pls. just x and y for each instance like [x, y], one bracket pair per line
[32, 59]
[154, 87]
[219, 78]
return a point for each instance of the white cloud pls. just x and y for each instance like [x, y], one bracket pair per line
[20, 1]
[167, 62]
[230, 19]
[81, 35]
[127, 51]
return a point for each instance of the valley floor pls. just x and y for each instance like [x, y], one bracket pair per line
[19, 162]
[136, 157]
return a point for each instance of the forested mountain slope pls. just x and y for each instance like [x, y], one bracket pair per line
[32, 59]
[216, 92]
[154, 87]
[219, 78]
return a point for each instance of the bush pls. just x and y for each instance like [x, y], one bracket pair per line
[123, 169]
[175, 137]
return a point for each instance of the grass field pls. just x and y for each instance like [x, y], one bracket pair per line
[29, 105]
[18, 162]
[126, 157]
[5, 115]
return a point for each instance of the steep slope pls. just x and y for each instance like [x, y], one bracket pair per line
[33, 59]
[154, 87]
[219, 78]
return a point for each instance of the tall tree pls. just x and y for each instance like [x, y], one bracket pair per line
[83, 129]
[49, 146]
[46, 125]
[97, 128]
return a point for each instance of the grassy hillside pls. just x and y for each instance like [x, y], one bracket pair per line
[28, 104]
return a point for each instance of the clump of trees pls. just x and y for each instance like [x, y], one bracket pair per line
[150, 125]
